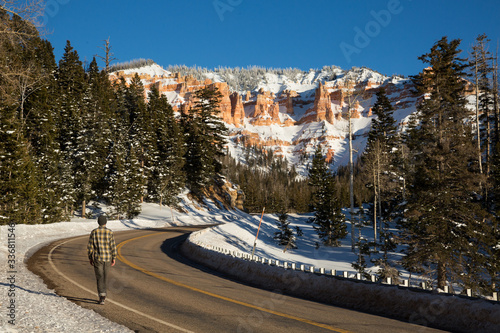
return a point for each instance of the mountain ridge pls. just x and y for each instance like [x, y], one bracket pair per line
[288, 111]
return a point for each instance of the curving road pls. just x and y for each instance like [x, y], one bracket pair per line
[154, 289]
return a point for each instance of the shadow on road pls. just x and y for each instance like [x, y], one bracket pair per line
[171, 248]
[81, 300]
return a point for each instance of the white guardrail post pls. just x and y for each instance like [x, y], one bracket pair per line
[332, 272]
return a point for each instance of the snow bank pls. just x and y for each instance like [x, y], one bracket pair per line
[436, 310]
[38, 308]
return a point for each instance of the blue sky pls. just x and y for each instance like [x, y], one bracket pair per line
[385, 35]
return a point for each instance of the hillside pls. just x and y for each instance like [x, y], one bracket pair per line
[287, 111]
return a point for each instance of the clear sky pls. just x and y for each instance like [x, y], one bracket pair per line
[385, 35]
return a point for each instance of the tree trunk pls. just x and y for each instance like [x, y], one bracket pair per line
[441, 275]
[83, 209]
[495, 100]
[142, 168]
[487, 117]
[374, 206]
[478, 128]
[351, 182]
[379, 196]
[350, 103]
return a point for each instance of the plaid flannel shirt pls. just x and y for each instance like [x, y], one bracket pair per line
[101, 246]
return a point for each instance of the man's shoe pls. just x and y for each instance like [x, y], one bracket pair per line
[101, 300]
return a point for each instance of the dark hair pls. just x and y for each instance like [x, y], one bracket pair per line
[102, 220]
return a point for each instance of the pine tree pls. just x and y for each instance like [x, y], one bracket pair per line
[72, 84]
[18, 174]
[378, 157]
[494, 248]
[496, 104]
[286, 235]
[196, 166]
[328, 220]
[134, 184]
[363, 245]
[495, 175]
[482, 74]
[42, 131]
[205, 139]
[442, 225]
[124, 182]
[134, 112]
[116, 189]
[130, 146]
[167, 179]
[92, 136]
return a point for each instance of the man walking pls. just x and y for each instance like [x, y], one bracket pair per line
[101, 250]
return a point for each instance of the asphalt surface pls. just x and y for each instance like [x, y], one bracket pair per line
[152, 288]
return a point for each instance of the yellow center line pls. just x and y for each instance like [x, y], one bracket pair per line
[49, 257]
[127, 262]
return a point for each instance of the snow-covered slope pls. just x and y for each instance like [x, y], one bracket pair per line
[34, 300]
[288, 111]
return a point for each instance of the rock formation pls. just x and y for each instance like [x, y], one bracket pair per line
[237, 109]
[330, 154]
[282, 107]
[322, 109]
[225, 102]
[274, 112]
[261, 106]
[286, 99]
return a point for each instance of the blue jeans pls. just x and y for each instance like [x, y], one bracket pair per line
[101, 269]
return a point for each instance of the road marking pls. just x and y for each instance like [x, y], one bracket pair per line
[307, 321]
[109, 300]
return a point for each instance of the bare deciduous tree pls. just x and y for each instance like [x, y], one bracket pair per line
[15, 33]
[108, 55]
[352, 98]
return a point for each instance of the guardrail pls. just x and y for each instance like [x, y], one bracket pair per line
[355, 276]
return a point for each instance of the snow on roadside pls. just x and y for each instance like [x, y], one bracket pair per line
[240, 236]
[420, 308]
[36, 305]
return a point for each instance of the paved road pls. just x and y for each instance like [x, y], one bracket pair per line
[154, 289]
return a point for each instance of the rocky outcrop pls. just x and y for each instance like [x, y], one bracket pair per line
[337, 98]
[225, 102]
[237, 109]
[286, 100]
[288, 122]
[234, 195]
[266, 110]
[262, 104]
[248, 138]
[322, 109]
[186, 106]
[356, 112]
[327, 103]
[274, 112]
[330, 154]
